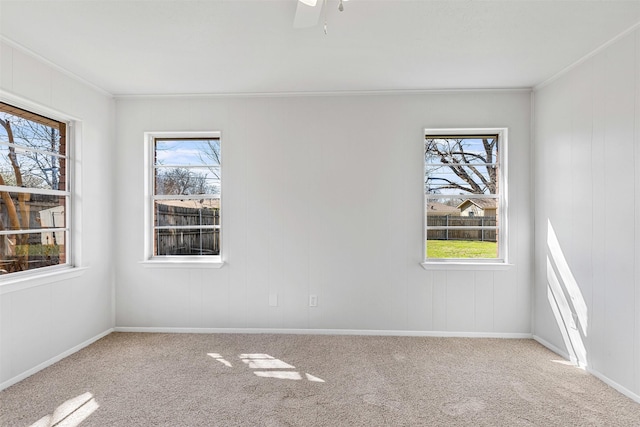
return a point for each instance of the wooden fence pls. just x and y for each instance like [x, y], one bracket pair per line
[187, 241]
[461, 221]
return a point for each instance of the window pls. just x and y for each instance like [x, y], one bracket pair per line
[185, 188]
[34, 191]
[465, 188]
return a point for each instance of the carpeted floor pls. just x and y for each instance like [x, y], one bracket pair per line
[134, 379]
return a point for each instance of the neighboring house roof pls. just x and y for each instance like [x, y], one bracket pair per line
[437, 207]
[199, 203]
[481, 203]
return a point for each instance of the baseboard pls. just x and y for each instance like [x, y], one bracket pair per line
[53, 360]
[631, 395]
[557, 350]
[324, 332]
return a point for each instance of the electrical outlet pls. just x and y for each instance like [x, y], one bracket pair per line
[313, 300]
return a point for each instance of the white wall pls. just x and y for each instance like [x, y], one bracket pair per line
[323, 195]
[587, 169]
[41, 322]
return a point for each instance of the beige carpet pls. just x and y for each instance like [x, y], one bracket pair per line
[132, 379]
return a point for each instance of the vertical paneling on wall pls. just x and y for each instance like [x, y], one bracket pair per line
[587, 169]
[322, 195]
[637, 214]
[40, 323]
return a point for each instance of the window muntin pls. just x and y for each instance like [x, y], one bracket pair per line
[186, 193]
[34, 191]
[464, 195]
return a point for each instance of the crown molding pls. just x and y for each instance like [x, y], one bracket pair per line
[323, 93]
[15, 45]
[586, 57]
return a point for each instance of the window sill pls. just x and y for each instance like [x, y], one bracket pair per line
[493, 266]
[179, 262]
[26, 281]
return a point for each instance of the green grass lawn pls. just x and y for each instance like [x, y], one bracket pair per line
[38, 250]
[461, 249]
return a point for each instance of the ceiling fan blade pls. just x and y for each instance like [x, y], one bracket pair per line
[307, 13]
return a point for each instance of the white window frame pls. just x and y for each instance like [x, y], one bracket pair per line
[20, 280]
[502, 260]
[178, 261]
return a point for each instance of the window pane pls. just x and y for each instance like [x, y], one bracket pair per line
[33, 156]
[461, 179]
[182, 180]
[187, 241]
[461, 249]
[36, 160]
[23, 211]
[470, 234]
[461, 227]
[20, 252]
[471, 150]
[33, 170]
[461, 165]
[30, 130]
[187, 152]
[461, 206]
[462, 196]
[187, 187]
[187, 212]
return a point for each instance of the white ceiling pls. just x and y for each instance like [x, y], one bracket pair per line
[236, 46]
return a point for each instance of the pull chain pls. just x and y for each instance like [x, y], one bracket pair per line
[340, 8]
[325, 17]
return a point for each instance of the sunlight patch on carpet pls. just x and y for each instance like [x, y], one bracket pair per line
[283, 375]
[264, 361]
[70, 413]
[565, 362]
[314, 378]
[269, 367]
[219, 358]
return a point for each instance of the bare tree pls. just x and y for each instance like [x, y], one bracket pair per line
[18, 216]
[475, 171]
[211, 156]
[182, 181]
[45, 138]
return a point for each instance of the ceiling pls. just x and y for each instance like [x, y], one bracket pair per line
[237, 46]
